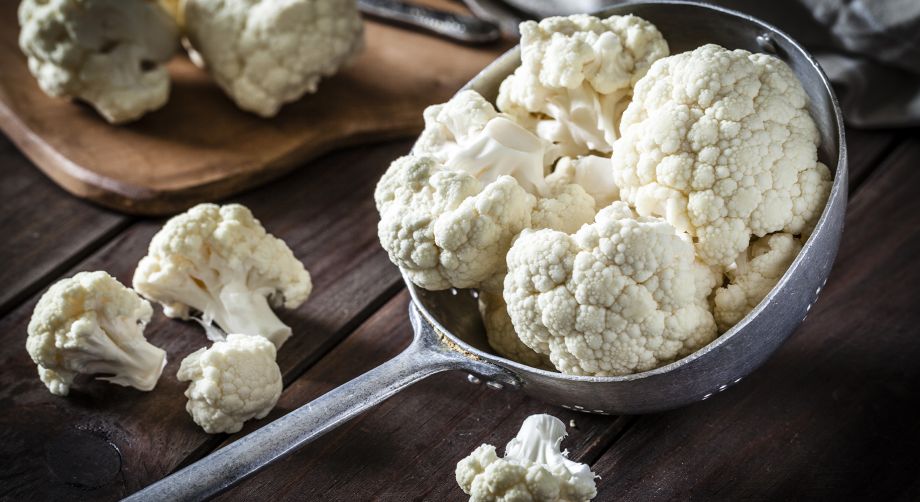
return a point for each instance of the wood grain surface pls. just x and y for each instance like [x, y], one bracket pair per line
[324, 212]
[201, 147]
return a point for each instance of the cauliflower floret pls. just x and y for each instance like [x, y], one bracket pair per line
[720, 143]
[265, 53]
[109, 53]
[593, 173]
[443, 228]
[624, 294]
[220, 262]
[501, 335]
[753, 275]
[92, 324]
[475, 179]
[468, 134]
[576, 77]
[533, 468]
[231, 382]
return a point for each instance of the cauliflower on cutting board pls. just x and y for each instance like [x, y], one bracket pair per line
[219, 262]
[108, 53]
[474, 180]
[720, 143]
[92, 324]
[265, 53]
[752, 276]
[533, 469]
[233, 381]
[576, 77]
[622, 295]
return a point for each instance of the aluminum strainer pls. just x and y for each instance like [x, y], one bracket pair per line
[449, 334]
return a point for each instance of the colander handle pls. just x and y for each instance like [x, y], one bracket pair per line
[425, 356]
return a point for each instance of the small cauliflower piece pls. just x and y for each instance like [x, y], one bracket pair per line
[108, 53]
[576, 77]
[220, 262]
[92, 324]
[720, 143]
[752, 276]
[533, 468]
[231, 382]
[265, 53]
[622, 295]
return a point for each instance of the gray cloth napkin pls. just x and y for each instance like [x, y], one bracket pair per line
[870, 49]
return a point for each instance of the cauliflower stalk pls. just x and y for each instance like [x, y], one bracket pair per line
[752, 276]
[720, 143]
[231, 382]
[108, 53]
[265, 53]
[622, 295]
[576, 77]
[220, 262]
[475, 179]
[533, 468]
[91, 324]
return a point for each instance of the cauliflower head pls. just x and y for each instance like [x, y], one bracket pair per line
[533, 468]
[265, 53]
[622, 295]
[220, 262]
[720, 143]
[92, 324]
[752, 276]
[231, 382]
[576, 77]
[108, 53]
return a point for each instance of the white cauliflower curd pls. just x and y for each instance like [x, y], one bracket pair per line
[219, 262]
[501, 335]
[534, 468]
[720, 143]
[108, 53]
[265, 53]
[231, 382]
[752, 276]
[623, 294]
[449, 211]
[576, 77]
[92, 324]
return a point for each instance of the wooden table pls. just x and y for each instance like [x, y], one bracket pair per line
[830, 415]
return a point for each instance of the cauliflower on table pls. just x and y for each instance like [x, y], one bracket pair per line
[109, 53]
[576, 77]
[720, 143]
[220, 262]
[622, 295]
[265, 53]
[475, 179]
[91, 324]
[231, 382]
[533, 468]
[752, 276]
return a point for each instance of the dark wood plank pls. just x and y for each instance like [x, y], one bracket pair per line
[45, 231]
[325, 212]
[833, 414]
[866, 151]
[406, 448]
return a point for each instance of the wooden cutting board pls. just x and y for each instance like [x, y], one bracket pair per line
[201, 147]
